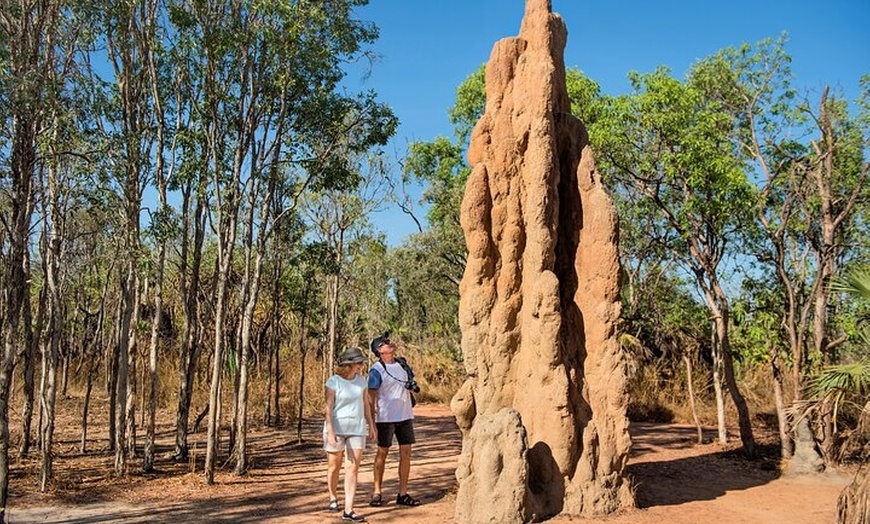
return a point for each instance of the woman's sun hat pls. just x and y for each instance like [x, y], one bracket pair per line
[352, 355]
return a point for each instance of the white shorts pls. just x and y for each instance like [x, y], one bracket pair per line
[345, 443]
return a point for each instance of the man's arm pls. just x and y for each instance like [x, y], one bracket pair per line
[372, 390]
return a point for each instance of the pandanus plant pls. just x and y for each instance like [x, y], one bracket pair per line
[845, 381]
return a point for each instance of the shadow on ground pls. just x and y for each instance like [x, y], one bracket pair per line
[704, 476]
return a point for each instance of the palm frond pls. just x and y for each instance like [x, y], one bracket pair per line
[856, 282]
[847, 378]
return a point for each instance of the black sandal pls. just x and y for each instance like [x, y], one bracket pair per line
[333, 505]
[377, 500]
[353, 517]
[407, 500]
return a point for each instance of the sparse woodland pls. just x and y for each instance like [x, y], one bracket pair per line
[186, 224]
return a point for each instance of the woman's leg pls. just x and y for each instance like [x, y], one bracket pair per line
[333, 469]
[351, 472]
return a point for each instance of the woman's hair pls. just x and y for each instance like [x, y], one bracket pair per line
[344, 369]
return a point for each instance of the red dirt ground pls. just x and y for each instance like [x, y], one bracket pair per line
[675, 482]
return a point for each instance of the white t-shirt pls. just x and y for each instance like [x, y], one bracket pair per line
[348, 412]
[394, 400]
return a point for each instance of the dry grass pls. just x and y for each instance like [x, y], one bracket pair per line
[659, 393]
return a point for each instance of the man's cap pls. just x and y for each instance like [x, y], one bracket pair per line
[351, 355]
[380, 341]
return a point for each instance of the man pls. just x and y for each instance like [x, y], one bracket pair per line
[389, 385]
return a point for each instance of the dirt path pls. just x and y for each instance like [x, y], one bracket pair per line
[676, 482]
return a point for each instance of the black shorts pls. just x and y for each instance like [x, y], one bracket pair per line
[403, 430]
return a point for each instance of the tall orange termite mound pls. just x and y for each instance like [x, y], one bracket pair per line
[542, 412]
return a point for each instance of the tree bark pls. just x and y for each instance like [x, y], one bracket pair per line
[691, 387]
[25, 33]
[190, 346]
[743, 419]
[302, 353]
[31, 341]
[128, 293]
[785, 439]
[718, 365]
[157, 321]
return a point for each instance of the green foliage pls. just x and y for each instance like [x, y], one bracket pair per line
[856, 284]
[842, 379]
[584, 94]
[667, 319]
[424, 265]
[470, 105]
[441, 164]
[757, 333]
[845, 385]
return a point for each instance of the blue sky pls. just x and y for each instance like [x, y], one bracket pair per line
[428, 47]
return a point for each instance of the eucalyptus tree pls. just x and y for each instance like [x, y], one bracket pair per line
[130, 36]
[268, 73]
[347, 127]
[189, 178]
[811, 176]
[227, 130]
[64, 184]
[27, 30]
[161, 70]
[285, 247]
[339, 215]
[311, 261]
[669, 143]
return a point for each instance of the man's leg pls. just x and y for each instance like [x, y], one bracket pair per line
[405, 436]
[404, 467]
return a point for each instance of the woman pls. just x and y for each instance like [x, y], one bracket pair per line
[348, 421]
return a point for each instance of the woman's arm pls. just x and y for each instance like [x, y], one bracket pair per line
[329, 396]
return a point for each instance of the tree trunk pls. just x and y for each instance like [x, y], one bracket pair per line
[128, 297]
[302, 352]
[92, 367]
[267, 345]
[834, 207]
[225, 249]
[692, 399]
[190, 346]
[785, 439]
[55, 332]
[743, 420]
[49, 394]
[132, 378]
[274, 344]
[148, 459]
[63, 357]
[332, 328]
[253, 272]
[31, 341]
[112, 363]
[717, 386]
[26, 31]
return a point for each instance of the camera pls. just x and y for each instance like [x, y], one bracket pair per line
[412, 385]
